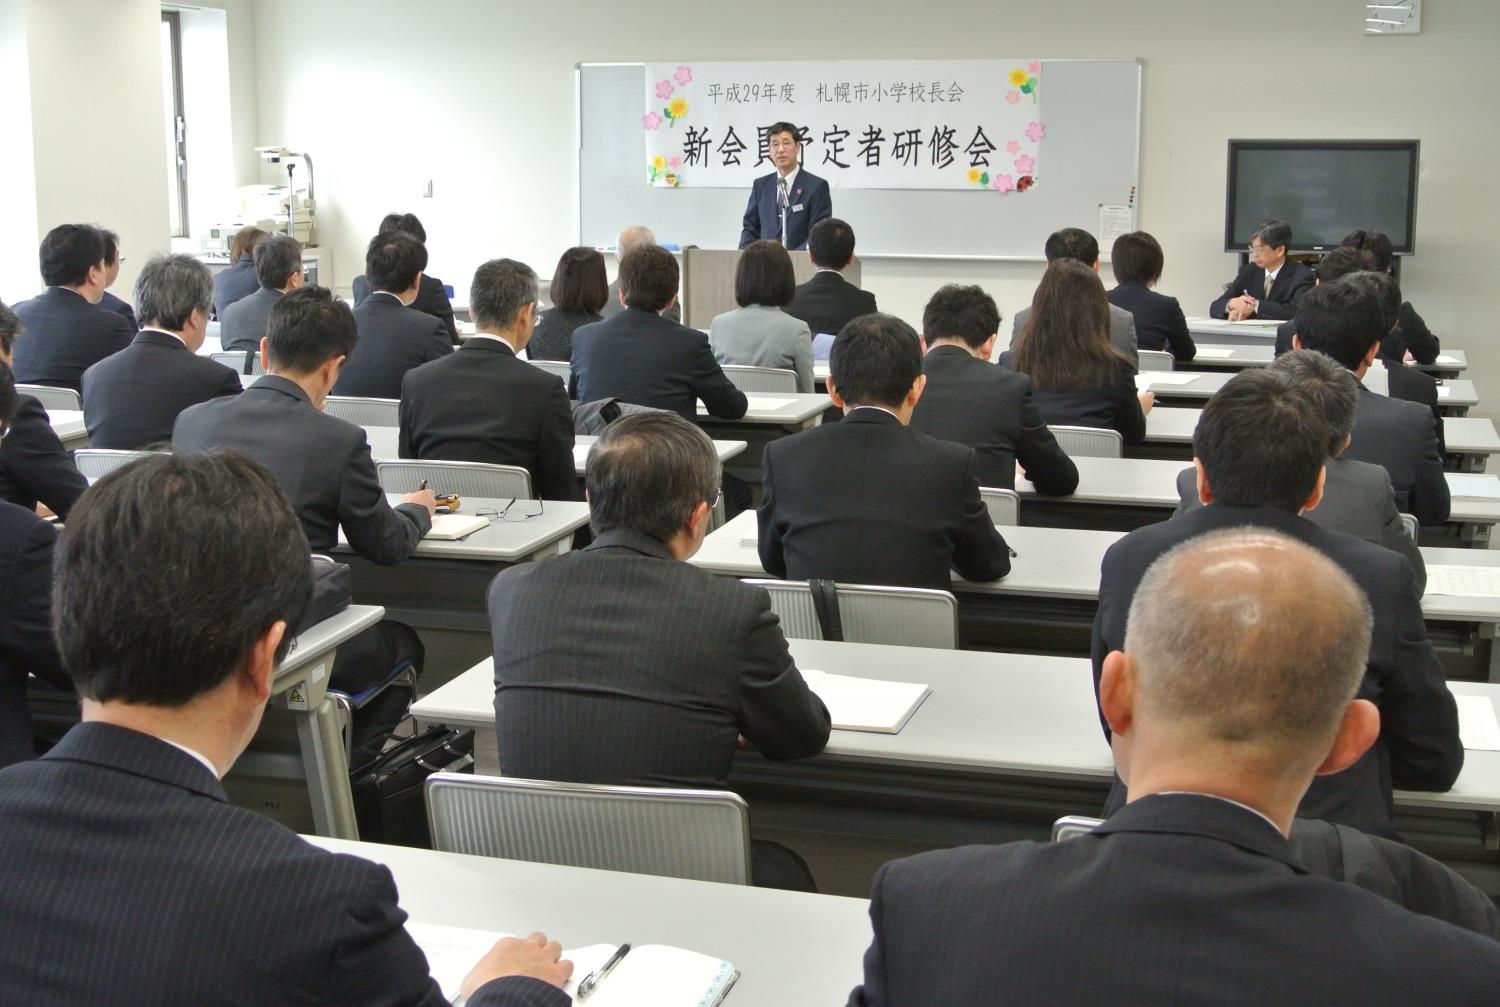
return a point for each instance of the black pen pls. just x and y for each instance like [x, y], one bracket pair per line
[593, 979]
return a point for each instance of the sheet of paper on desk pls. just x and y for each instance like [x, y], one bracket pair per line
[768, 404]
[580, 454]
[1474, 485]
[1258, 323]
[1216, 352]
[1445, 391]
[451, 527]
[1145, 379]
[1449, 359]
[1477, 727]
[1463, 581]
[866, 704]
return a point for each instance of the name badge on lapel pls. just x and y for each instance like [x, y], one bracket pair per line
[797, 208]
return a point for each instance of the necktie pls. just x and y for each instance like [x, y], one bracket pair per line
[1269, 280]
[781, 206]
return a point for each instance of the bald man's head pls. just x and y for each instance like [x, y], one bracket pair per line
[633, 237]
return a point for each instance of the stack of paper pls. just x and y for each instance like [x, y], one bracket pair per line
[1463, 581]
[1477, 728]
[762, 403]
[452, 527]
[1145, 379]
[1473, 485]
[1215, 352]
[866, 704]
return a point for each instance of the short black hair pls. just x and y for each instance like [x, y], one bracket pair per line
[8, 398]
[10, 330]
[499, 290]
[764, 275]
[309, 327]
[1342, 261]
[393, 260]
[875, 360]
[407, 223]
[1262, 441]
[171, 569]
[960, 312]
[1273, 233]
[649, 277]
[69, 251]
[277, 259]
[647, 472]
[1329, 384]
[1137, 258]
[1387, 293]
[831, 244]
[1072, 243]
[1342, 319]
[1377, 243]
[111, 246]
[580, 282]
[783, 127]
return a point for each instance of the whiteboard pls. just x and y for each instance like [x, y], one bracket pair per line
[1093, 116]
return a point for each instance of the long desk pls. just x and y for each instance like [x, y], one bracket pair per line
[1256, 332]
[383, 445]
[1213, 356]
[1174, 388]
[788, 410]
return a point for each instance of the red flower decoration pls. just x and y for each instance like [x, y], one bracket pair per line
[1024, 182]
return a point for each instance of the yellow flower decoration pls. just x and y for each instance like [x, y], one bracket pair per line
[1017, 78]
[658, 162]
[974, 174]
[677, 108]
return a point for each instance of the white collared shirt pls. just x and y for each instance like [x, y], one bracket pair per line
[389, 294]
[827, 269]
[1272, 273]
[194, 753]
[497, 338]
[791, 187]
[1227, 800]
[855, 409]
[147, 328]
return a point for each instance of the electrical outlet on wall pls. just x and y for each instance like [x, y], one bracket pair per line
[427, 189]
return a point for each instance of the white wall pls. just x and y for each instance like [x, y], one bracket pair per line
[18, 269]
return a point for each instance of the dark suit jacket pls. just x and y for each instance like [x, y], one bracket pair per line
[1411, 333]
[827, 302]
[1112, 407]
[641, 358]
[233, 282]
[244, 323]
[481, 404]
[64, 336]
[34, 465]
[808, 202]
[432, 300]
[870, 501]
[109, 302]
[612, 305]
[392, 340]
[1419, 747]
[1293, 280]
[1178, 899]
[129, 879]
[1401, 437]
[1159, 322]
[322, 463]
[131, 399]
[26, 644]
[991, 409]
[1121, 331]
[553, 338]
[618, 664]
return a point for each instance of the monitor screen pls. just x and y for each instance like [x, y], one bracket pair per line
[1323, 189]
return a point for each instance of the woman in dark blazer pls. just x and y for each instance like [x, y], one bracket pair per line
[1159, 323]
[1078, 378]
[580, 287]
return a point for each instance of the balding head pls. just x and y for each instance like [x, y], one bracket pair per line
[632, 237]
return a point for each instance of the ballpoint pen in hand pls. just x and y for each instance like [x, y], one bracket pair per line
[593, 979]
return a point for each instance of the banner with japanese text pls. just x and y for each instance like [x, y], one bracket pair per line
[879, 124]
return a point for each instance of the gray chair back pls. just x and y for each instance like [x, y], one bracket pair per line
[899, 616]
[561, 368]
[1409, 522]
[95, 463]
[1089, 442]
[1004, 505]
[240, 361]
[1073, 826]
[364, 412]
[761, 379]
[1155, 360]
[53, 399]
[467, 479]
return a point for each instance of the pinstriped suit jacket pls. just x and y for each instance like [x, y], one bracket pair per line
[128, 879]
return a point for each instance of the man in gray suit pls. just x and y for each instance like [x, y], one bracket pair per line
[636, 236]
[1076, 243]
[1357, 496]
[278, 267]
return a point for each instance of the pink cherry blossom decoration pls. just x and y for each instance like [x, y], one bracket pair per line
[651, 120]
[1034, 67]
[1025, 163]
[664, 89]
[1013, 96]
[1035, 132]
[683, 76]
[1013, 147]
[676, 162]
[1003, 183]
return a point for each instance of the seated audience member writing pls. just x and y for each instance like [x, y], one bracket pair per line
[1401, 381]
[35, 468]
[1137, 261]
[113, 261]
[131, 398]
[278, 267]
[1269, 285]
[1259, 451]
[1076, 245]
[67, 332]
[483, 404]
[580, 289]
[1080, 378]
[1344, 320]
[1357, 496]
[393, 337]
[759, 333]
[1219, 726]
[785, 204]
[432, 296]
[870, 500]
[633, 237]
[239, 279]
[621, 664]
[121, 846]
[991, 409]
[1411, 337]
[827, 302]
[1339, 262]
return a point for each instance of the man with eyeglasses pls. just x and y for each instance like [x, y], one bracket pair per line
[1269, 285]
[785, 204]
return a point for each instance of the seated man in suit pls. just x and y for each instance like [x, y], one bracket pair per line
[131, 399]
[432, 295]
[635, 236]
[67, 331]
[121, 845]
[393, 337]
[1259, 453]
[238, 279]
[828, 302]
[1411, 339]
[1081, 246]
[1357, 496]
[35, 468]
[1220, 725]
[278, 268]
[482, 404]
[1344, 320]
[970, 400]
[621, 664]
[1337, 263]
[871, 500]
[112, 262]
[1269, 285]
[785, 204]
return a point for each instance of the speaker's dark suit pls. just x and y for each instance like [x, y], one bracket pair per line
[482, 404]
[64, 336]
[432, 299]
[808, 201]
[233, 282]
[1401, 437]
[827, 302]
[1178, 899]
[1159, 322]
[322, 463]
[129, 879]
[1292, 281]
[991, 409]
[392, 340]
[870, 501]
[244, 323]
[640, 357]
[26, 646]
[109, 302]
[1419, 747]
[34, 465]
[131, 399]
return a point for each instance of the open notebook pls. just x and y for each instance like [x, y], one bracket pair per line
[450, 527]
[651, 975]
[866, 704]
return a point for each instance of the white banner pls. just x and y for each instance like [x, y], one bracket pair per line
[887, 124]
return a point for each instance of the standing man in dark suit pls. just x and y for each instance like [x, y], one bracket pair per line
[393, 336]
[635, 236]
[131, 399]
[123, 855]
[1080, 246]
[1219, 724]
[108, 301]
[67, 330]
[482, 403]
[278, 268]
[432, 295]
[870, 500]
[970, 400]
[34, 466]
[238, 279]
[1259, 450]
[785, 204]
[1269, 285]
[621, 664]
[828, 302]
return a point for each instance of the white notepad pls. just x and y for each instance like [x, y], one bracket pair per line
[1215, 352]
[866, 704]
[1474, 485]
[1477, 727]
[1146, 379]
[1463, 581]
[451, 527]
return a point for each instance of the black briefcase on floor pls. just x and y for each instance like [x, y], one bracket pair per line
[388, 801]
